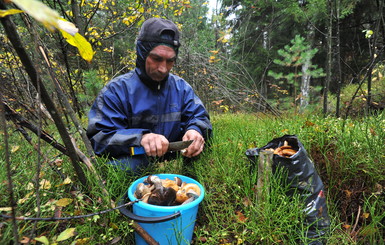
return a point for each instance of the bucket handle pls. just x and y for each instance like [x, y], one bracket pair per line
[142, 219]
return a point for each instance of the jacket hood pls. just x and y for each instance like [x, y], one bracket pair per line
[154, 32]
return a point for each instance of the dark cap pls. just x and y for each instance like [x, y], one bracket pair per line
[160, 31]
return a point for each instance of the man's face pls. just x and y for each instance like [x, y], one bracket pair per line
[159, 62]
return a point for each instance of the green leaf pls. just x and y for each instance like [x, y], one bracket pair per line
[42, 239]
[4, 13]
[68, 233]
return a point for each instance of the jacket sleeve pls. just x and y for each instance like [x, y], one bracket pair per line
[109, 126]
[195, 115]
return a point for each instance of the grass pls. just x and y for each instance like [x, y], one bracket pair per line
[348, 154]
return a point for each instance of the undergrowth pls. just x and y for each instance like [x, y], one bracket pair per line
[348, 155]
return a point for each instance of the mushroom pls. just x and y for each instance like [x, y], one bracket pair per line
[170, 183]
[142, 190]
[192, 196]
[153, 180]
[285, 150]
[178, 181]
[186, 191]
[162, 197]
[288, 152]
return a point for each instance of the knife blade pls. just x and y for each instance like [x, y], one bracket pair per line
[173, 146]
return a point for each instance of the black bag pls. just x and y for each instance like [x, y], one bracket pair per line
[303, 179]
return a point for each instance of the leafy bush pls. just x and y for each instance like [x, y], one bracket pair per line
[359, 106]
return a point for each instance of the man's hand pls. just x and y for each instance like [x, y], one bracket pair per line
[197, 146]
[154, 144]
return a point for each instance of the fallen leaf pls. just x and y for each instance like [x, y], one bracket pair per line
[25, 240]
[346, 226]
[68, 233]
[348, 193]
[365, 215]
[45, 184]
[82, 241]
[15, 148]
[309, 124]
[64, 202]
[58, 162]
[42, 239]
[67, 181]
[30, 186]
[5, 209]
[241, 217]
[25, 198]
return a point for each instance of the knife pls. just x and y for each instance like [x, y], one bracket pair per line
[173, 146]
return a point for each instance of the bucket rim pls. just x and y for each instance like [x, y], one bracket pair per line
[131, 190]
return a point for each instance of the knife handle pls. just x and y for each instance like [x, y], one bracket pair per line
[137, 150]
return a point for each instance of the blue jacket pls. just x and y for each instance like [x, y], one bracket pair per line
[126, 108]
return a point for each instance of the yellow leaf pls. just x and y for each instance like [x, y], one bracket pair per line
[4, 13]
[82, 241]
[346, 226]
[42, 239]
[67, 181]
[68, 233]
[64, 202]
[30, 186]
[68, 27]
[39, 11]
[214, 52]
[45, 184]
[84, 47]
[15, 148]
[25, 198]
[5, 209]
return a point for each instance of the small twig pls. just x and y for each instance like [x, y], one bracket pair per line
[357, 218]
[144, 234]
[71, 217]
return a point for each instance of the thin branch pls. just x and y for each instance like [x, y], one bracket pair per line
[14, 38]
[70, 217]
[9, 175]
[19, 120]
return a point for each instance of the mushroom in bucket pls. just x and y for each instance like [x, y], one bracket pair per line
[166, 192]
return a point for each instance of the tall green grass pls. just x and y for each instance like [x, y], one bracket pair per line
[348, 154]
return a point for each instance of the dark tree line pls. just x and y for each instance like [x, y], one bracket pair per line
[348, 34]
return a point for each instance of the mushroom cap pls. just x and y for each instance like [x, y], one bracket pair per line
[187, 190]
[170, 183]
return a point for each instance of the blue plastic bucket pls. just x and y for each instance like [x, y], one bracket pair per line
[176, 231]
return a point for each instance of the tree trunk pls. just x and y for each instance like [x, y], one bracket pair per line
[338, 58]
[306, 77]
[329, 60]
[305, 85]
